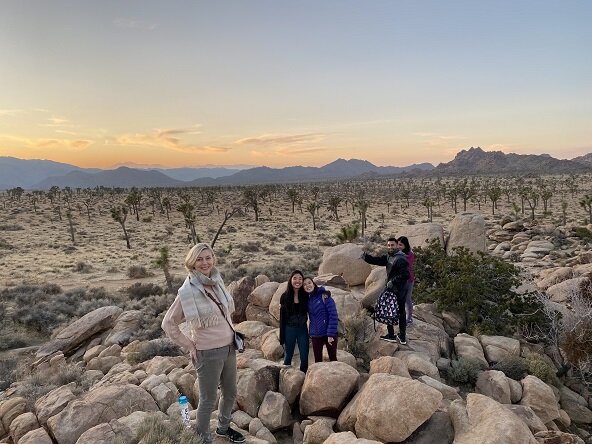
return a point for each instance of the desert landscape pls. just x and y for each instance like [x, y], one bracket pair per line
[295, 136]
[64, 257]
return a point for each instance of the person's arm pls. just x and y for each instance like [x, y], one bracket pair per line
[282, 319]
[170, 324]
[375, 260]
[333, 318]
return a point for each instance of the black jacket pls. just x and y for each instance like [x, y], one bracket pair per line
[397, 268]
[291, 314]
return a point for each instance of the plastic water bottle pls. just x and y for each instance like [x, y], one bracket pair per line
[184, 405]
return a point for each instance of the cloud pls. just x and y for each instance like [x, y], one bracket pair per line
[295, 151]
[275, 139]
[74, 145]
[168, 139]
[10, 112]
[53, 143]
[129, 23]
[438, 140]
[284, 144]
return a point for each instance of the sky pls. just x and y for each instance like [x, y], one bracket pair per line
[282, 83]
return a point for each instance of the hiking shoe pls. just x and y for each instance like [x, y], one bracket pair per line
[389, 338]
[401, 340]
[231, 434]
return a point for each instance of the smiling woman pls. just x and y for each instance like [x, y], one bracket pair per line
[206, 305]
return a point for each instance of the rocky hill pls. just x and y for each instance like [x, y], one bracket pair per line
[475, 161]
[586, 159]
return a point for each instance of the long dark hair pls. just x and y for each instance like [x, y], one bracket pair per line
[290, 289]
[405, 242]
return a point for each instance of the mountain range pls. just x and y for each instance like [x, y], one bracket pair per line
[42, 174]
[475, 161]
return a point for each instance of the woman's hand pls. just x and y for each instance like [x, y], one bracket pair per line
[330, 340]
[193, 354]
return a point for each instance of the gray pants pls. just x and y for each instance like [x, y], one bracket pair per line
[213, 367]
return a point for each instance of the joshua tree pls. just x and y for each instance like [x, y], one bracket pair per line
[532, 198]
[89, 201]
[466, 191]
[53, 193]
[293, 196]
[333, 204]
[251, 196]
[166, 205]
[315, 192]
[546, 195]
[133, 199]
[428, 202]
[564, 211]
[186, 208]
[163, 262]
[312, 209]
[586, 203]
[494, 193]
[362, 206]
[227, 215]
[119, 214]
[71, 225]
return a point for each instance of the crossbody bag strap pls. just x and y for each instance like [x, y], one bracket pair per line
[219, 307]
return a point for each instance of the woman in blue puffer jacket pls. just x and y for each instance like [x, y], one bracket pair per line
[323, 320]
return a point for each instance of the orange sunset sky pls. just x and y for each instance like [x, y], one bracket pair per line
[276, 83]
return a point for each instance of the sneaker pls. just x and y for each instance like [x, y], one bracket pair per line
[389, 338]
[409, 322]
[231, 434]
[401, 341]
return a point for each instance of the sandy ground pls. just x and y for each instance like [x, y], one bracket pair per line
[41, 250]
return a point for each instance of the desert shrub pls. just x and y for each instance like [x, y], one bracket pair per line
[38, 383]
[12, 340]
[463, 371]
[138, 272]
[147, 219]
[479, 285]
[539, 367]
[11, 227]
[583, 233]
[153, 309]
[153, 430]
[290, 247]
[513, 366]
[575, 331]
[250, 247]
[140, 291]
[7, 372]
[357, 331]
[349, 232]
[83, 267]
[42, 309]
[156, 347]
[4, 245]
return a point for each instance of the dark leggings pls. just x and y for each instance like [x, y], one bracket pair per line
[401, 299]
[317, 348]
[297, 335]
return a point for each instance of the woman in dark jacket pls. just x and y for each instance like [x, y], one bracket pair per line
[293, 318]
[323, 318]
